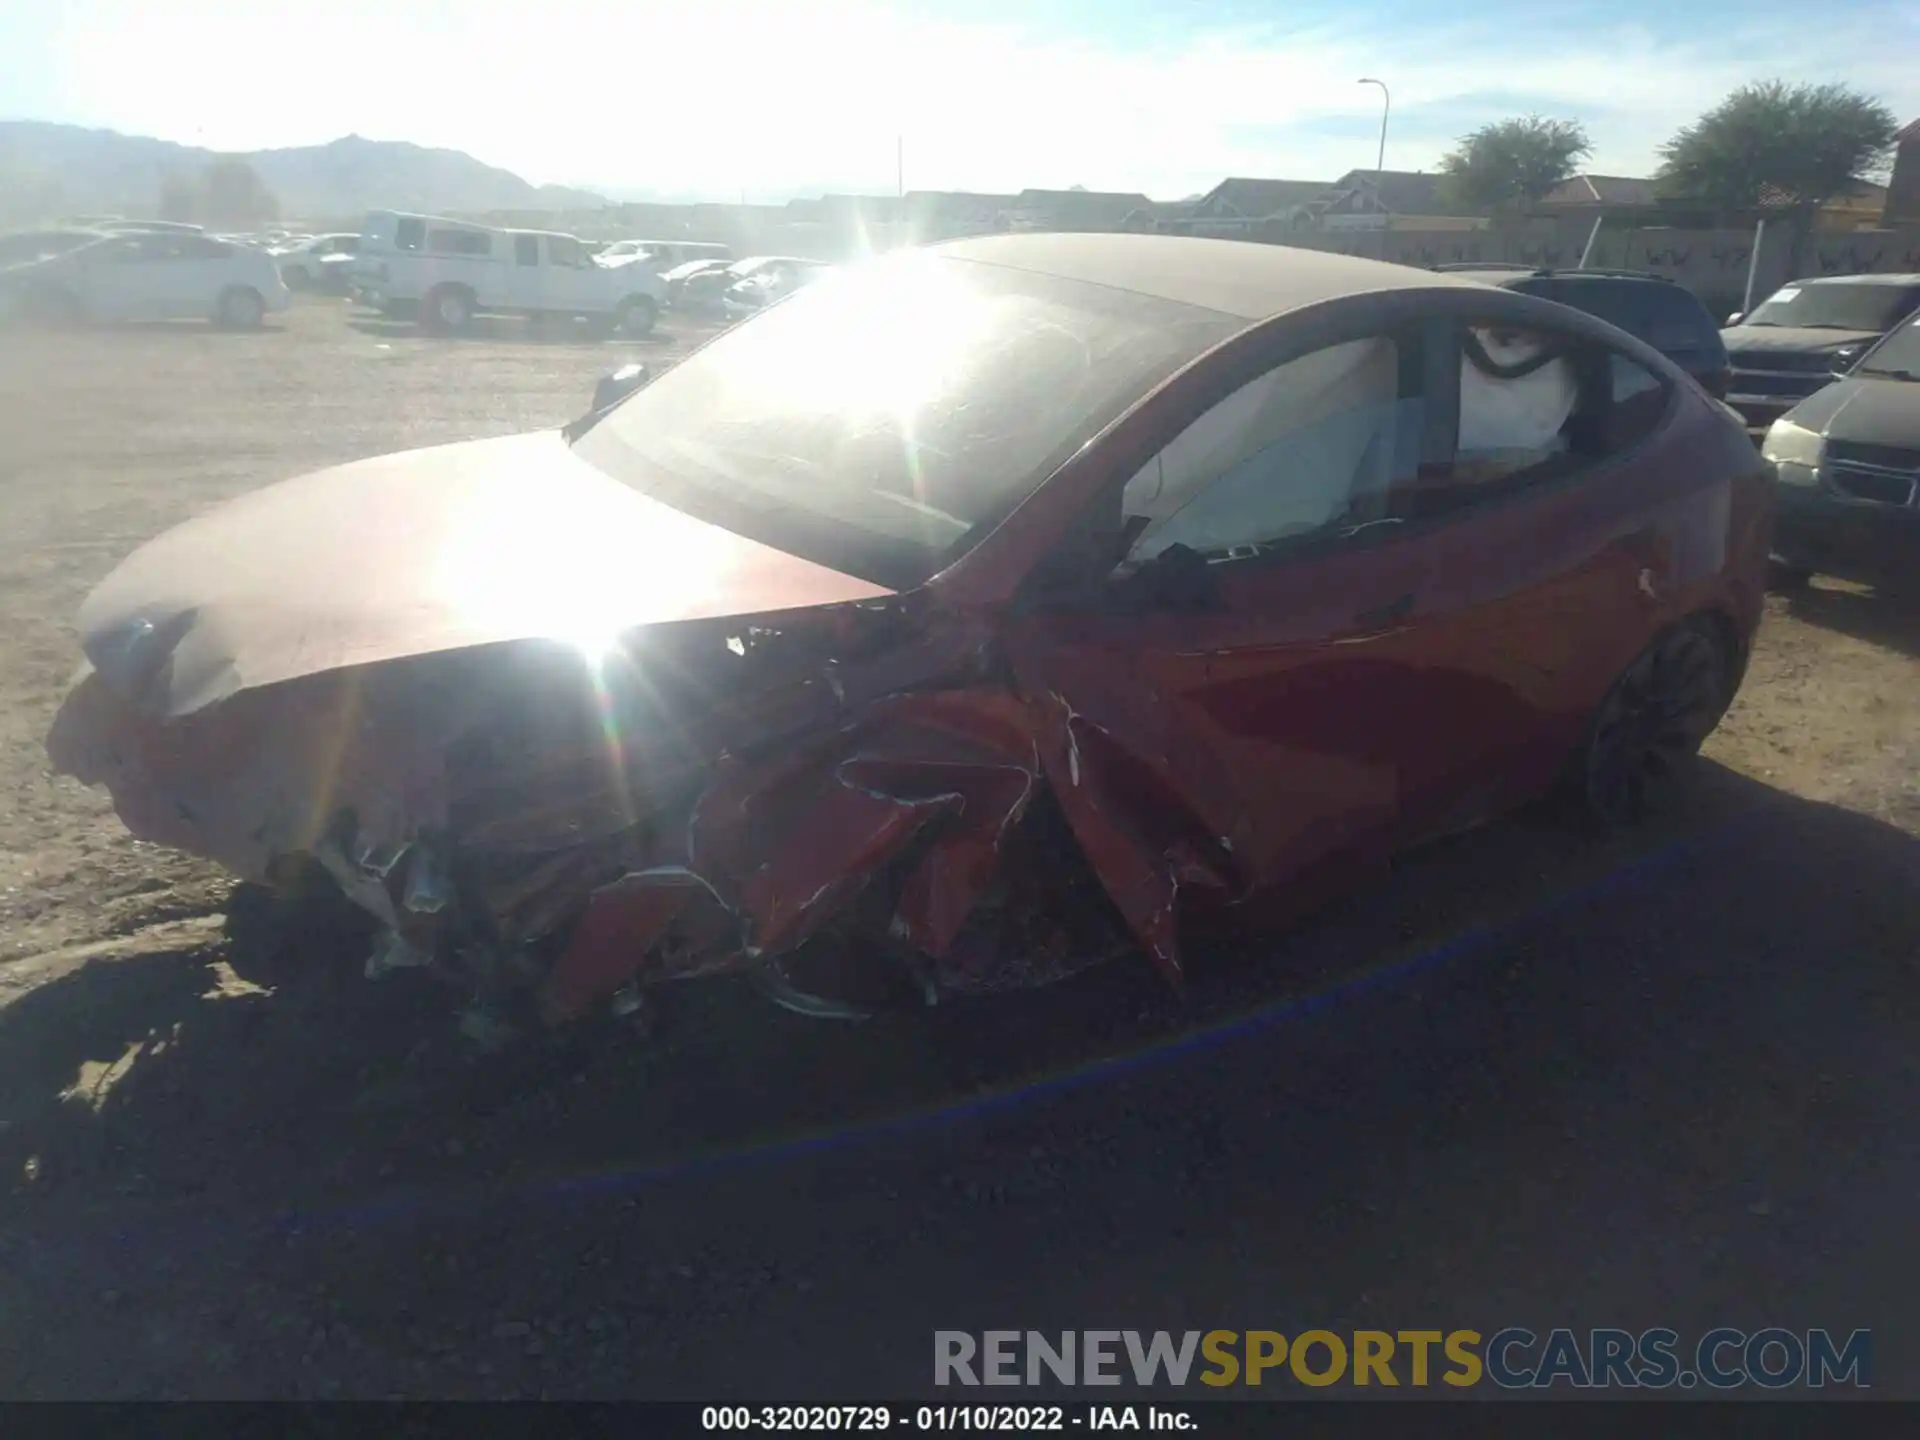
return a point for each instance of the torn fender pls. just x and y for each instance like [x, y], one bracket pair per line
[784, 846]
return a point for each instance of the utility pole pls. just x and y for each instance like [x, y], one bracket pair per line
[900, 165]
[1380, 161]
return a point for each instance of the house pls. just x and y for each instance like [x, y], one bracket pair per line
[1398, 199]
[1903, 190]
[949, 214]
[1639, 202]
[1239, 198]
[1159, 216]
[1072, 209]
[1238, 205]
[1858, 207]
[1590, 196]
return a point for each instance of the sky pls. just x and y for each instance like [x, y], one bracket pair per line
[724, 98]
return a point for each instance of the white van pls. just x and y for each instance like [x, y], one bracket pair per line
[447, 271]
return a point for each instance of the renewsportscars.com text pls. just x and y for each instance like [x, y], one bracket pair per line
[1511, 1359]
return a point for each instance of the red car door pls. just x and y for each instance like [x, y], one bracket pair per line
[1552, 532]
[1244, 709]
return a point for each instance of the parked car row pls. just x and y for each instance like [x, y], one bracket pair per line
[1824, 375]
[1846, 468]
[317, 262]
[137, 273]
[444, 272]
[1806, 334]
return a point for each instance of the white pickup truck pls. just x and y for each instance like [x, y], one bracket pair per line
[447, 271]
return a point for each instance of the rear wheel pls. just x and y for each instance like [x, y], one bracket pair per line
[240, 308]
[636, 315]
[448, 308]
[1644, 742]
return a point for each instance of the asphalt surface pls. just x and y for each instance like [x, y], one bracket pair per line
[1661, 1083]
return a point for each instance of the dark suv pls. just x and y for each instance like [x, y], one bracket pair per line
[1807, 333]
[1651, 308]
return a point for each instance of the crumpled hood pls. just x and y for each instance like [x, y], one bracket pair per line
[413, 553]
[1764, 338]
[1864, 410]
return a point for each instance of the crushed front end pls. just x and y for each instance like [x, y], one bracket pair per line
[554, 830]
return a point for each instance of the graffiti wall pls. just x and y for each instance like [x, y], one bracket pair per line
[1711, 263]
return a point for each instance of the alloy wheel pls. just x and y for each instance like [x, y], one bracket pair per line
[1651, 725]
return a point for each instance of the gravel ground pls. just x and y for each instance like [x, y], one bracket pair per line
[1662, 1080]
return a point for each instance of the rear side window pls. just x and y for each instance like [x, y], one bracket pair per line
[409, 234]
[460, 242]
[1621, 305]
[526, 249]
[198, 247]
[1536, 405]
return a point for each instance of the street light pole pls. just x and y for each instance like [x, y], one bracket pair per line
[1380, 161]
[1386, 109]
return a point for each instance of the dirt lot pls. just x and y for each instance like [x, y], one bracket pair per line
[1669, 1080]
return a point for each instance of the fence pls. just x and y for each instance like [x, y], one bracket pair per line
[1712, 263]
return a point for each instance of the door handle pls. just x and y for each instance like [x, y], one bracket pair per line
[1386, 616]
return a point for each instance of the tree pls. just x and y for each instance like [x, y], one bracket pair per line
[233, 194]
[1512, 162]
[1797, 144]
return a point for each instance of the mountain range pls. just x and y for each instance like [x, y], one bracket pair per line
[68, 169]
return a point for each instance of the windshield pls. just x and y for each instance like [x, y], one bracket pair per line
[40, 245]
[881, 419]
[1837, 307]
[1897, 356]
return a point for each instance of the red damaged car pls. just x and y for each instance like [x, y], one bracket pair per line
[985, 610]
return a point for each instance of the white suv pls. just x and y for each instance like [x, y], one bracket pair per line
[153, 275]
[446, 272]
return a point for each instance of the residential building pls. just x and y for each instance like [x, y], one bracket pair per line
[1240, 205]
[1400, 200]
[1072, 209]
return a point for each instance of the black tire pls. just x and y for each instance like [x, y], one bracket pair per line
[240, 308]
[447, 310]
[636, 316]
[1643, 743]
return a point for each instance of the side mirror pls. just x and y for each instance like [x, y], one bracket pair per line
[1844, 362]
[1735, 317]
[615, 387]
[1177, 579]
